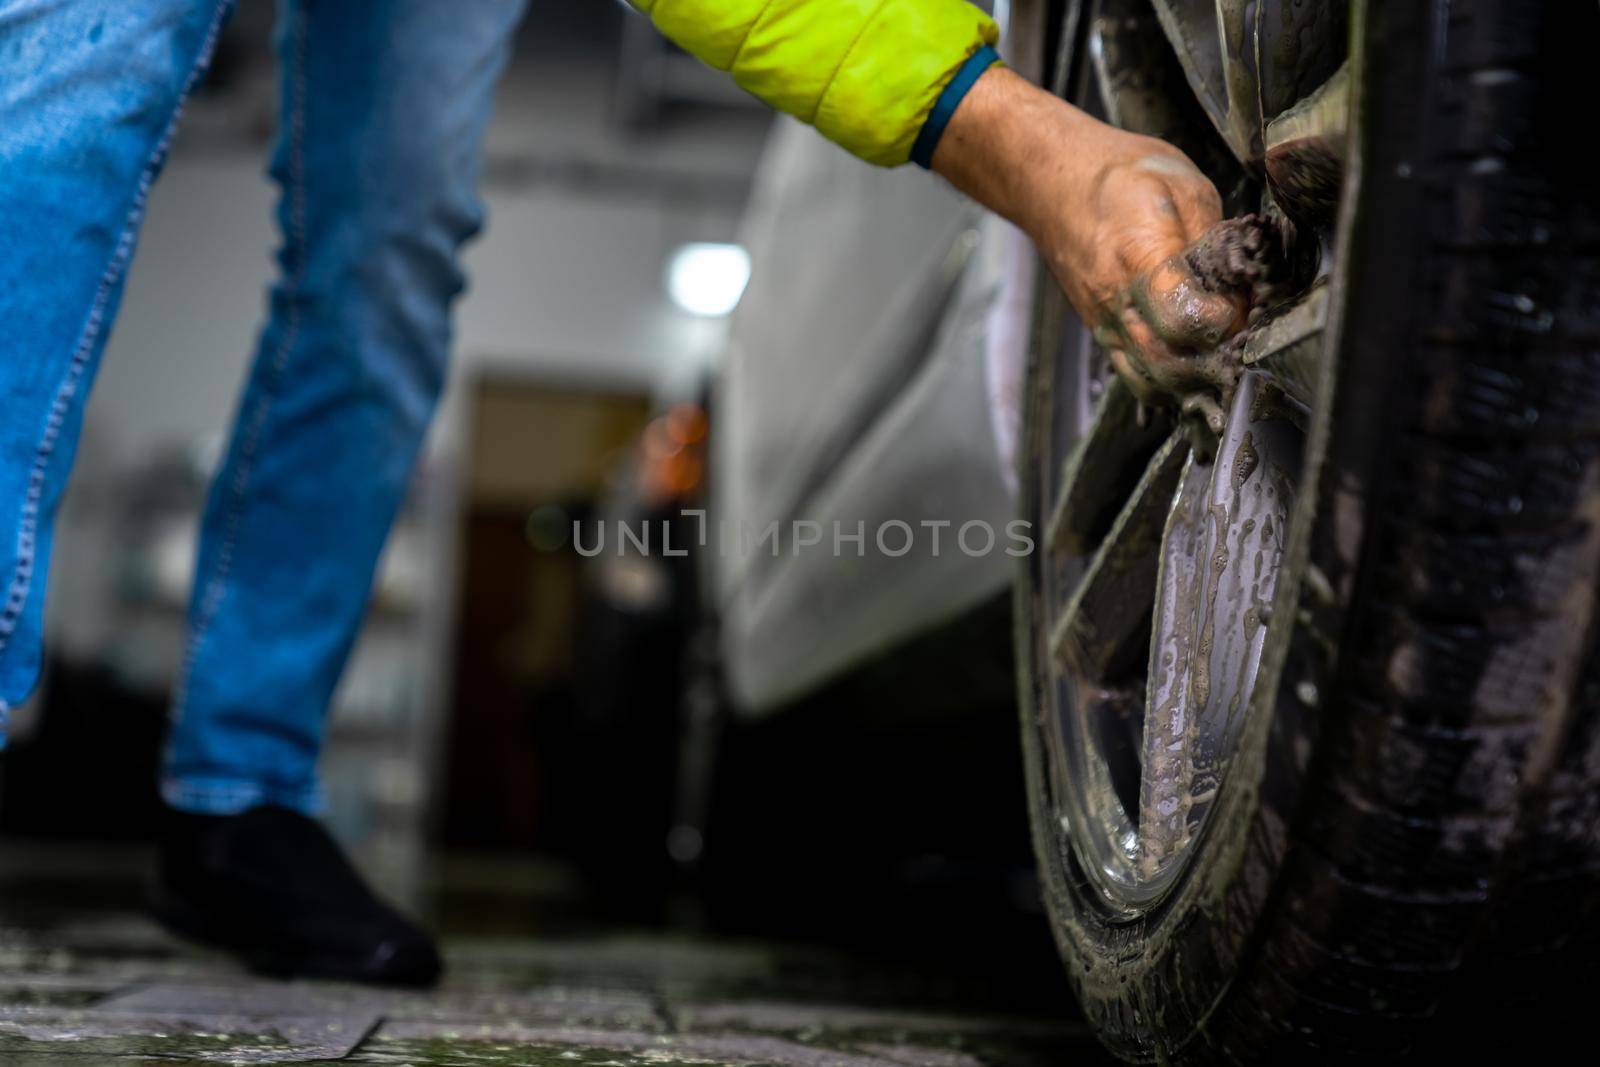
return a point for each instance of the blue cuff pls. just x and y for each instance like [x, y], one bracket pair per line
[949, 100]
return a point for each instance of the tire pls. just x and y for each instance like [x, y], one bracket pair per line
[1410, 827]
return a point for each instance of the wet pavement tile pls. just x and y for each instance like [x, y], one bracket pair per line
[116, 990]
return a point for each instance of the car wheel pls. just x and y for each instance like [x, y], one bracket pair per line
[1310, 704]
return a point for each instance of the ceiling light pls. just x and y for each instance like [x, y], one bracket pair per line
[708, 279]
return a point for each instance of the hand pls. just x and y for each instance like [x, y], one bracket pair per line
[1111, 213]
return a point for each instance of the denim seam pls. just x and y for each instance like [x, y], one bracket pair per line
[28, 527]
[216, 584]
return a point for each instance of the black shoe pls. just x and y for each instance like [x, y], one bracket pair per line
[270, 885]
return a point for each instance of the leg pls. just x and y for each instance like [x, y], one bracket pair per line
[384, 108]
[89, 99]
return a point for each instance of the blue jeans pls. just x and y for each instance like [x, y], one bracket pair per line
[384, 105]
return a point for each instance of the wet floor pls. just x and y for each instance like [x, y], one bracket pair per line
[86, 980]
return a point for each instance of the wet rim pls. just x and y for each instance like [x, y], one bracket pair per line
[1152, 590]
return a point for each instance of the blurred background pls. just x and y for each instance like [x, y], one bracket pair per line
[523, 741]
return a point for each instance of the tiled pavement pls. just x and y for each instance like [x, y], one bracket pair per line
[102, 986]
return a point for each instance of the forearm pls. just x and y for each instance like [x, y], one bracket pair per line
[1003, 144]
[1103, 205]
[1045, 165]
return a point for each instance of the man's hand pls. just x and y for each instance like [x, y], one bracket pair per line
[1111, 212]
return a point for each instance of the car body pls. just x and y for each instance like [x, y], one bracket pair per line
[871, 380]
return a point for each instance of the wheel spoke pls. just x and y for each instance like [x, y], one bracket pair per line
[1305, 149]
[1200, 32]
[1135, 85]
[1066, 63]
[1103, 626]
[1167, 772]
[1287, 349]
[1241, 86]
[1101, 468]
[1220, 553]
[1298, 47]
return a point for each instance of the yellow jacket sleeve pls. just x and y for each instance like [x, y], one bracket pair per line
[866, 73]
